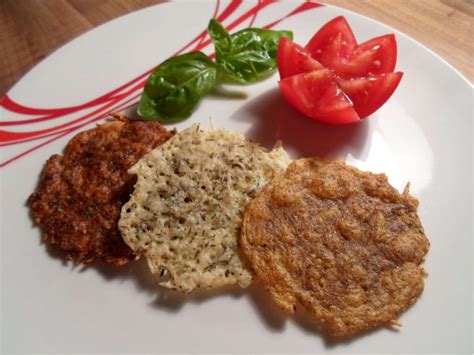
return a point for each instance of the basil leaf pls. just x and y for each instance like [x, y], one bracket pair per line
[220, 37]
[247, 55]
[176, 86]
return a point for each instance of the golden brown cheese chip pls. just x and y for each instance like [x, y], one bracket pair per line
[342, 243]
[80, 194]
[186, 211]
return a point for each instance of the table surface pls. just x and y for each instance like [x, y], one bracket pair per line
[32, 29]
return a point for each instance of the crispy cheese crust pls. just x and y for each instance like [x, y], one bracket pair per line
[80, 194]
[342, 243]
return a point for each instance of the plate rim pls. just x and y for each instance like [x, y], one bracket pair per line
[171, 3]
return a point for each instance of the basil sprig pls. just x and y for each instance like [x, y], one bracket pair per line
[177, 85]
[248, 55]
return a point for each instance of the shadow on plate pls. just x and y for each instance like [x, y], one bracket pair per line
[172, 301]
[164, 298]
[275, 320]
[304, 320]
[272, 119]
[272, 318]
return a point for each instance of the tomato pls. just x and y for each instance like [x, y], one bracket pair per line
[292, 59]
[333, 44]
[335, 80]
[318, 96]
[369, 93]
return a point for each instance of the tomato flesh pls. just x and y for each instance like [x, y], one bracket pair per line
[370, 93]
[333, 44]
[292, 59]
[318, 96]
[377, 56]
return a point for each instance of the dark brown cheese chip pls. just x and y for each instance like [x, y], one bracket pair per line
[80, 194]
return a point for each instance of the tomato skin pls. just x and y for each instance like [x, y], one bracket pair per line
[318, 96]
[292, 59]
[370, 93]
[374, 57]
[333, 44]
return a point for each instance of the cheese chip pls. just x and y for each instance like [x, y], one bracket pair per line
[186, 211]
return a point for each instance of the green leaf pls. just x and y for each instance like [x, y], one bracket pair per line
[220, 37]
[247, 55]
[176, 86]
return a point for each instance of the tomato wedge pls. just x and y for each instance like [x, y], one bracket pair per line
[333, 44]
[369, 93]
[377, 56]
[318, 96]
[292, 59]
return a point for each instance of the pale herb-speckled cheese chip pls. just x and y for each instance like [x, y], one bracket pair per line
[186, 211]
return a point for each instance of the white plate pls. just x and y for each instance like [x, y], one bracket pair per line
[422, 135]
